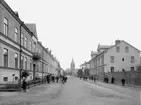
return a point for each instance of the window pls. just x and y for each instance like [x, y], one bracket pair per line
[30, 64]
[22, 58]
[34, 46]
[5, 57]
[16, 60]
[6, 26]
[5, 79]
[117, 49]
[126, 49]
[112, 69]
[112, 59]
[25, 43]
[122, 59]
[25, 63]
[16, 78]
[22, 39]
[30, 46]
[132, 59]
[16, 34]
[132, 68]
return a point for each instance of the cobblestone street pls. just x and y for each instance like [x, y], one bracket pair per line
[74, 92]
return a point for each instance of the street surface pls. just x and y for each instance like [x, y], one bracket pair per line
[74, 92]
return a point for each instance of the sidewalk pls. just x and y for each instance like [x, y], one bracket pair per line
[35, 94]
[135, 92]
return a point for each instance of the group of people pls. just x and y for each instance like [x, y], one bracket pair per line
[52, 78]
[92, 78]
[106, 80]
[48, 79]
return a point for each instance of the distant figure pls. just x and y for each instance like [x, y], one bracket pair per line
[94, 79]
[123, 82]
[112, 80]
[48, 79]
[53, 78]
[57, 78]
[24, 84]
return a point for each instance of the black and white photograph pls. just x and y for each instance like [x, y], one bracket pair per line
[70, 52]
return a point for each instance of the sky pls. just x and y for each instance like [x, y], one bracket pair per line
[73, 28]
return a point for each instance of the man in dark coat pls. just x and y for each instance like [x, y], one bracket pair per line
[24, 84]
[112, 80]
[123, 82]
[57, 78]
[48, 79]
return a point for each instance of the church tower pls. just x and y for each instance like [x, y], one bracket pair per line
[72, 65]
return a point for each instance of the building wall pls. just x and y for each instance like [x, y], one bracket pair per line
[48, 64]
[118, 63]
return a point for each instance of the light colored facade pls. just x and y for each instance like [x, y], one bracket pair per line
[85, 65]
[120, 57]
[18, 43]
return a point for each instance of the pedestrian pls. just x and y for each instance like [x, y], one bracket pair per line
[24, 84]
[94, 79]
[57, 78]
[123, 82]
[48, 79]
[112, 80]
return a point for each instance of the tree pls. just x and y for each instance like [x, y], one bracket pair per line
[138, 68]
[80, 73]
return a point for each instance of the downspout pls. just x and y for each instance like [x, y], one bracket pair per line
[20, 53]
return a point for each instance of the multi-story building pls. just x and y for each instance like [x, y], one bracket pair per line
[120, 57]
[18, 46]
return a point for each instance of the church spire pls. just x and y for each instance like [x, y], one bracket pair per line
[72, 65]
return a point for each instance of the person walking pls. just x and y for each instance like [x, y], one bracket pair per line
[123, 82]
[48, 79]
[112, 80]
[24, 85]
[94, 79]
[57, 78]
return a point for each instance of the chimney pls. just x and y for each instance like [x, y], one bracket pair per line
[16, 13]
[117, 42]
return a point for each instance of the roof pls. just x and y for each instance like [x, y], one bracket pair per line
[108, 48]
[104, 46]
[94, 53]
[124, 42]
[32, 28]
[15, 15]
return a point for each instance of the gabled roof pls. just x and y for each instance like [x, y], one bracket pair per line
[131, 45]
[121, 42]
[112, 47]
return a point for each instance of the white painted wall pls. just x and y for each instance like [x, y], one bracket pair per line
[119, 64]
[8, 73]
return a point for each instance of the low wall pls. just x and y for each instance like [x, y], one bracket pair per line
[131, 77]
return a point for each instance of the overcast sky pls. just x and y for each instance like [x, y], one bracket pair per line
[73, 28]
